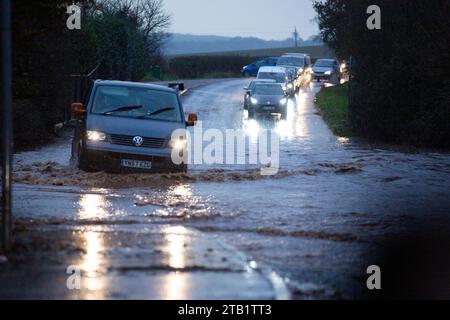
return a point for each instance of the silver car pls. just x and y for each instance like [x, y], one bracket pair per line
[127, 126]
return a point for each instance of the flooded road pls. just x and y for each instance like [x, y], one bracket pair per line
[318, 223]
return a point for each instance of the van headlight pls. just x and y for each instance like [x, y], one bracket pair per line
[95, 135]
[290, 86]
[328, 72]
[254, 100]
[178, 143]
[283, 101]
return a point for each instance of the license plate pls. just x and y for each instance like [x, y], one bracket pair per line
[136, 164]
[269, 108]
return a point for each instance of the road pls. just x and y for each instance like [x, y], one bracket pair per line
[315, 226]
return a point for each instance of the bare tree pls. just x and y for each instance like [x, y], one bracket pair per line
[148, 16]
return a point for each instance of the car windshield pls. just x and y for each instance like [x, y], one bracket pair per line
[256, 82]
[291, 61]
[269, 90]
[136, 103]
[324, 63]
[277, 76]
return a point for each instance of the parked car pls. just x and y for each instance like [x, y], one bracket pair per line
[127, 127]
[268, 98]
[280, 75]
[299, 68]
[253, 68]
[327, 69]
[251, 87]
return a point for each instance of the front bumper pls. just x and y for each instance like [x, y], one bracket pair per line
[111, 161]
[267, 109]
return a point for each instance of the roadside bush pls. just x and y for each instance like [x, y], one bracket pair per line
[201, 66]
[400, 87]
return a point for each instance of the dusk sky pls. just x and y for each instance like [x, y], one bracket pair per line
[266, 19]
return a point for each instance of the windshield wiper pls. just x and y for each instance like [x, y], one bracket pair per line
[122, 109]
[154, 113]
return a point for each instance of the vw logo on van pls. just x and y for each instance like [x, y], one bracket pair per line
[138, 141]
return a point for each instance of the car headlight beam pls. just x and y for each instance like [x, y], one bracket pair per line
[95, 135]
[283, 101]
[178, 144]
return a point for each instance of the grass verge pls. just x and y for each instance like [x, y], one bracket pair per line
[333, 106]
[164, 77]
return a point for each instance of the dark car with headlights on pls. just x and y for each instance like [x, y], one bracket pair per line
[251, 87]
[268, 98]
[127, 127]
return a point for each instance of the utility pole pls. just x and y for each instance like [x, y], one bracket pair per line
[295, 33]
[5, 231]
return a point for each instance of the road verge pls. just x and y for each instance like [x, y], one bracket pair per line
[332, 103]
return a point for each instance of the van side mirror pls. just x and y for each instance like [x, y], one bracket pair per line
[77, 108]
[177, 86]
[192, 119]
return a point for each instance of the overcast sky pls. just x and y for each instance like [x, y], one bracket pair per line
[266, 19]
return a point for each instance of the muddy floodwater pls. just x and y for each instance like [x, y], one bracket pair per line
[318, 223]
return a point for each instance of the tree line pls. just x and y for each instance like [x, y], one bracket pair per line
[124, 36]
[400, 83]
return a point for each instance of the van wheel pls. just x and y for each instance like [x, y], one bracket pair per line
[84, 162]
[180, 168]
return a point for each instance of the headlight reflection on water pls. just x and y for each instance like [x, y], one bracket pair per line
[93, 206]
[176, 283]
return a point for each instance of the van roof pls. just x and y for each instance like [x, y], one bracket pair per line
[273, 69]
[295, 54]
[134, 85]
[263, 80]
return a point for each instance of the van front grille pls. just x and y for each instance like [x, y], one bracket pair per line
[124, 140]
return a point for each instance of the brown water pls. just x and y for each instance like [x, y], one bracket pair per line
[318, 223]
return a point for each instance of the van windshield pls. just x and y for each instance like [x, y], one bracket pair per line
[324, 63]
[291, 61]
[277, 76]
[136, 103]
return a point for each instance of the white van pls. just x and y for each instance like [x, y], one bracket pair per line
[280, 75]
[299, 68]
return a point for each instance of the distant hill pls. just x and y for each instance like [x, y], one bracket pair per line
[186, 43]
